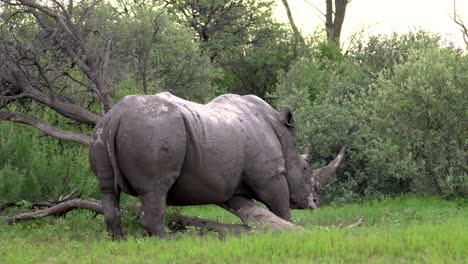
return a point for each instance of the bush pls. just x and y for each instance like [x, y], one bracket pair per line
[34, 168]
[384, 52]
[403, 125]
[421, 111]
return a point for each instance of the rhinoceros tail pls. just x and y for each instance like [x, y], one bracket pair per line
[110, 144]
[119, 181]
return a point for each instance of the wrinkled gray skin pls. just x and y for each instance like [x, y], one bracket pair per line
[171, 151]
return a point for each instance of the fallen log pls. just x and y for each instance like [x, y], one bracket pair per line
[60, 208]
[255, 216]
[73, 194]
[252, 215]
[183, 222]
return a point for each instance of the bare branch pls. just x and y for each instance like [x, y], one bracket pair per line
[26, 89]
[87, 86]
[297, 34]
[72, 111]
[45, 127]
[72, 195]
[358, 223]
[457, 19]
[61, 208]
[71, 39]
[316, 8]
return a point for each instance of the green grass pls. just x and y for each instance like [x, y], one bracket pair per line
[401, 230]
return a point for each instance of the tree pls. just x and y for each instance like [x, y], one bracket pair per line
[297, 35]
[58, 56]
[335, 18]
[335, 12]
[74, 58]
[159, 53]
[220, 24]
[457, 19]
[242, 39]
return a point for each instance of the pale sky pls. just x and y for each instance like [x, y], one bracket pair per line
[384, 16]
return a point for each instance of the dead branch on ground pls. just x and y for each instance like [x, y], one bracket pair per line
[359, 222]
[252, 215]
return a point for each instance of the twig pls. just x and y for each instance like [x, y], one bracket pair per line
[359, 222]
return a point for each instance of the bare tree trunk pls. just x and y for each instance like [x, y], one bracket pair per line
[329, 19]
[340, 11]
[334, 18]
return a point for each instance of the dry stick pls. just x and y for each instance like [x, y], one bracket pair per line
[359, 222]
[90, 204]
[73, 194]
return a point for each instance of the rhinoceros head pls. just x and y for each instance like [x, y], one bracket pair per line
[303, 182]
[298, 174]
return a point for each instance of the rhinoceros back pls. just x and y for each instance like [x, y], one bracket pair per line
[220, 142]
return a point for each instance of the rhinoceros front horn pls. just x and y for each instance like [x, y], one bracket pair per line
[322, 175]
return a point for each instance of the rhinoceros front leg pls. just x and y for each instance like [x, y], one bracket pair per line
[274, 193]
[153, 212]
[112, 215]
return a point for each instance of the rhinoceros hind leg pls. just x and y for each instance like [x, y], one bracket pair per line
[112, 216]
[153, 212]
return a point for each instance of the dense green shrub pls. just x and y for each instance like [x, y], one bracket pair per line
[421, 111]
[404, 125]
[41, 168]
[383, 52]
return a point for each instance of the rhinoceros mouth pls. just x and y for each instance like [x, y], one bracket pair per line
[312, 202]
[309, 205]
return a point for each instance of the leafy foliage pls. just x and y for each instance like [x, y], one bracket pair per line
[154, 54]
[41, 168]
[402, 120]
[398, 103]
[242, 40]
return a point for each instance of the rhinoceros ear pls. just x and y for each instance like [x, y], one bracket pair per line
[286, 116]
